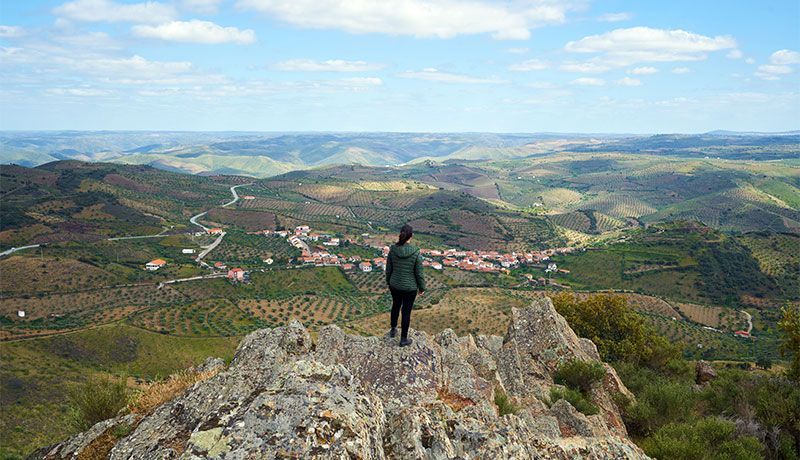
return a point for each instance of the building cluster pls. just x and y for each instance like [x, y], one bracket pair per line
[490, 261]
[482, 261]
[321, 257]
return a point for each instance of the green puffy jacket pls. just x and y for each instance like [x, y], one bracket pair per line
[404, 268]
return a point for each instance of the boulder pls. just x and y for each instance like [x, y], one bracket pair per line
[704, 373]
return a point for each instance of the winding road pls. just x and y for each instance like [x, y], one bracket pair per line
[234, 200]
[216, 242]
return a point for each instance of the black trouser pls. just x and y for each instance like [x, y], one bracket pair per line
[404, 299]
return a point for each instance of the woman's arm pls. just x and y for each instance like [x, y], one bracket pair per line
[419, 275]
[389, 266]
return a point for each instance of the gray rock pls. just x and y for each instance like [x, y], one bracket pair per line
[211, 365]
[365, 397]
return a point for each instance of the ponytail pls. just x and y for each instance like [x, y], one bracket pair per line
[405, 234]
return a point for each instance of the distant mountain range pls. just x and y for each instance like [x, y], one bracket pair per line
[267, 154]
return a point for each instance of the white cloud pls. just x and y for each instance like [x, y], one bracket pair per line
[594, 66]
[530, 64]
[108, 11]
[735, 54]
[674, 102]
[783, 57]
[750, 61]
[12, 31]
[624, 47]
[137, 70]
[643, 71]
[446, 77]
[418, 18]
[767, 76]
[588, 82]
[260, 88]
[355, 83]
[615, 17]
[628, 81]
[681, 70]
[83, 92]
[196, 31]
[91, 41]
[775, 69]
[517, 50]
[332, 65]
[772, 72]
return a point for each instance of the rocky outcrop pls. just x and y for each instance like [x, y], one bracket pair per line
[352, 397]
[704, 372]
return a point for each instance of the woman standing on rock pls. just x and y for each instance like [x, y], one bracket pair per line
[405, 279]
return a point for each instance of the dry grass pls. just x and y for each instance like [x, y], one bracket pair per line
[160, 392]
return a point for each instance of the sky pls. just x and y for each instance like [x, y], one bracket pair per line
[510, 66]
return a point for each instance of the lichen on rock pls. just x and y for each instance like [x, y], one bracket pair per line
[365, 397]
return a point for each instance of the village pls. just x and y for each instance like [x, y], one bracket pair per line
[319, 249]
[312, 253]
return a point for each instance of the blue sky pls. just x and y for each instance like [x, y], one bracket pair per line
[400, 65]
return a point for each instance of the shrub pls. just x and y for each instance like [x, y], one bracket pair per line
[574, 397]
[710, 438]
[504, 404]
[95, 400]
[659, 403]
[580, 375]
[620, 334]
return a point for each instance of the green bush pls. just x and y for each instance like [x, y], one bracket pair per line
[580, 375]
[659, 403]
[574, 397]
[619, 333]
[710, 438]
[504, 404]
[96, 400]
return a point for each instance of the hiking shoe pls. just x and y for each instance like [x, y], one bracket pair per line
[405, 342]
[393, 332]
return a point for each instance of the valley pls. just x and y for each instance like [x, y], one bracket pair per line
[701, 248]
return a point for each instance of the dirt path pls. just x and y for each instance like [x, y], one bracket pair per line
[749, 321]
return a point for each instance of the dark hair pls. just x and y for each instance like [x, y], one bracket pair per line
[405, 234]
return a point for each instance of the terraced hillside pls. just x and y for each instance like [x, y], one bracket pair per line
[74, 201]
[742, 195]
[351, 200]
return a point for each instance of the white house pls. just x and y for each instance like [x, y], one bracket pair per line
[155, 264]
[365, 266]
[187, 251]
